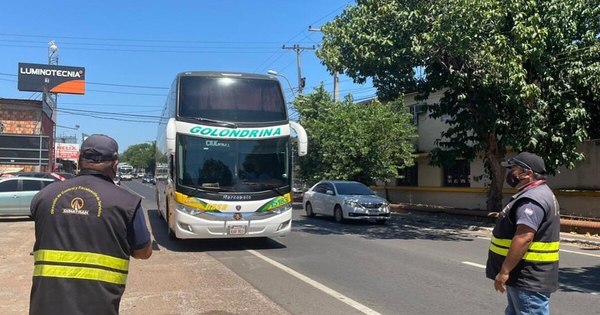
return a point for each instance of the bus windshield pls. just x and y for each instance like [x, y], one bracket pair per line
[231, 99]
[232, 165]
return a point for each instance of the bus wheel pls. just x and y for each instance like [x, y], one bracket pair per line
[170, 231]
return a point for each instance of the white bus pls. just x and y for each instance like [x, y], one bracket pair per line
[125, 171]
[226, 141]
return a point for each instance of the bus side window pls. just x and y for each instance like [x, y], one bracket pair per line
[171, 167]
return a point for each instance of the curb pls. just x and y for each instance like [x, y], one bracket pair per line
[481, 215]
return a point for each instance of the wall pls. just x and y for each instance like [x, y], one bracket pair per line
[577, 190]
[24, 117]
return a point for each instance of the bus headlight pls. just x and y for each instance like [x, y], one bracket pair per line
[282, 209]
[187, 210]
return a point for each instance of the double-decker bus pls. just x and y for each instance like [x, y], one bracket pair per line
[225, 139]
[125, 171]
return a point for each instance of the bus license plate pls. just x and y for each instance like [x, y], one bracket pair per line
[237, 230]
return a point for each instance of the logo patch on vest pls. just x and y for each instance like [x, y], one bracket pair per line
[77, 203]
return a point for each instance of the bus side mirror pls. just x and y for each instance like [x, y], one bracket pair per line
[302, 138]
[171, 132]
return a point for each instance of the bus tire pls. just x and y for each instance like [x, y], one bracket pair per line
[170, 231]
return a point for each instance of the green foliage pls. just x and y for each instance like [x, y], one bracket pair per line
[140, 156]
[363, 142]
[521, 74]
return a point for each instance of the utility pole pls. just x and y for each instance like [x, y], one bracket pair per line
[298, 49]
[52, 99]
[336, 79]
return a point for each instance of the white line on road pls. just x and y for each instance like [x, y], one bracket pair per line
[133, 191]
[333, 293]
[474, 264]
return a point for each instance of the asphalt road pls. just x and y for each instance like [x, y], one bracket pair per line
[412, 265]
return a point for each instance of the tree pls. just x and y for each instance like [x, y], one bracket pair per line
[352, 141]
[517, 75]
[140, 155]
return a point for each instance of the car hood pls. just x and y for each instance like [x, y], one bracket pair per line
[364, 198]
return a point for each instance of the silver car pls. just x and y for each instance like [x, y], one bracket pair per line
[345, 200]
[16, 193]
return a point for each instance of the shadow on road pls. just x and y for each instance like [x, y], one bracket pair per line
[400, 226]
[159, 231]
[584, 279]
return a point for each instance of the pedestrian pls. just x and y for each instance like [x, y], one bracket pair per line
[523, 254]
[86, 229]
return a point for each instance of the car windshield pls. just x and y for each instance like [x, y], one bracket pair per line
[353, 189]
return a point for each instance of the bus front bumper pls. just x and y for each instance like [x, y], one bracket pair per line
[225, 226]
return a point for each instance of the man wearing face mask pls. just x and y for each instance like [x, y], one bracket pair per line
[86, 229]
[523, 254]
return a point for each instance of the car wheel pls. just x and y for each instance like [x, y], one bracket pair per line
[381, 221]
[338, 214]
[309, 210]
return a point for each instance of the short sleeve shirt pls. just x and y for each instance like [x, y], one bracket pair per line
[529, 213]
[138, 235]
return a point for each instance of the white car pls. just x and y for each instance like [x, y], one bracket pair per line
[345, 200]
[17, 192]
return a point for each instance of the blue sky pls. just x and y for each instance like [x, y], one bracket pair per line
[132, 50]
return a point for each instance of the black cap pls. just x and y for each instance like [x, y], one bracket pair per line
[528, 161]
[99, 148]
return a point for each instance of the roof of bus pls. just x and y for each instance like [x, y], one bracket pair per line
[226, 74]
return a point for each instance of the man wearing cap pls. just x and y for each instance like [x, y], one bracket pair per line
[86, 229]
[523, 254]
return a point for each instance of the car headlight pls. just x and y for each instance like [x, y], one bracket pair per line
[353, 203]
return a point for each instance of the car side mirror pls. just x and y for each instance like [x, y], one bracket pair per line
[329, 192]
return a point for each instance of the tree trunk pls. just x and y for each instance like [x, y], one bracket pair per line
[495, 155]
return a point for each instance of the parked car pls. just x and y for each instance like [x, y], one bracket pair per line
[345, 200]
[298, 188]
[54, 176]
[16, 193]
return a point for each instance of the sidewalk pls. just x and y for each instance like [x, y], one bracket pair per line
[571, 232]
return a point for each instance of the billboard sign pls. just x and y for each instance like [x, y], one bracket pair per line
[67, 151]
[50, 78]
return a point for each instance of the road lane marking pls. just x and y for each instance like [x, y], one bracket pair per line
[133, 191]
[340, 297]
[473, 264]
[562, 250]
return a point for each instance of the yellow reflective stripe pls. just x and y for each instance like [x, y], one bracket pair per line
[529, 256]
[72, 272]
[85, 258]
[499, 250]
[501, 242]
[548, 247]
[540, 257]
[537, 246]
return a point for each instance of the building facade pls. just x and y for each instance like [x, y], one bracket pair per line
[465, 184]
[23, 123]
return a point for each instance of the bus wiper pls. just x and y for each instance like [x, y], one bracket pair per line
[216, 122]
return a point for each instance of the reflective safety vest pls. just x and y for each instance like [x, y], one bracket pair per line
[80, 265]
[538, 269]
[81, 250]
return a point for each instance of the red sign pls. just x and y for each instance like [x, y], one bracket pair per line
[67, 151]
